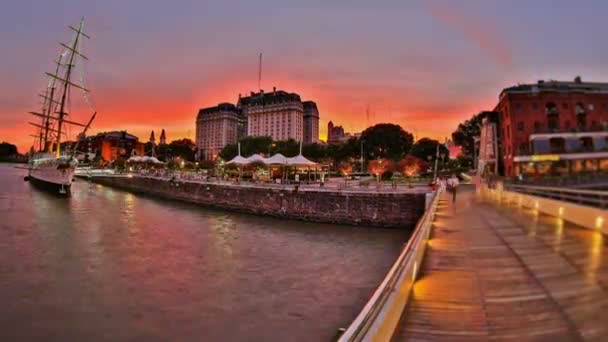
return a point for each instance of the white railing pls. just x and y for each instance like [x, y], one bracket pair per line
[594, 198]
[381, 314]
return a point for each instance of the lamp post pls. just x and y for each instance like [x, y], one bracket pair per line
[361, 156]
[270, 147]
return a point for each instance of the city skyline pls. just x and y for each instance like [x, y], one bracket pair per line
[154, 65]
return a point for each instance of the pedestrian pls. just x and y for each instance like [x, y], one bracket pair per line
[453, 184]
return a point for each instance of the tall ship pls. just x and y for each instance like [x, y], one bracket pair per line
[51, 166]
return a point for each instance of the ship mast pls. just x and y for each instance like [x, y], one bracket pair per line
[72, 53]
[50, 103]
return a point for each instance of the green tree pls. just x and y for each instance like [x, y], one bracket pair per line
[288, 148]
[249, 146]
[426, 147]
[228, 152]
[464, 134]
[315, 152]
[184, 148]
[386, 141]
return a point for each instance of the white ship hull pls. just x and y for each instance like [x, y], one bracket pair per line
[53, 173]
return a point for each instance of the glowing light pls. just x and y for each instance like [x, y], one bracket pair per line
[599, 222]
[536, 205]
[560, 212]
[414, 271]
[547, 157]
[130, 175]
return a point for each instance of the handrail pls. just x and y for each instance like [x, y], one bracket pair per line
[553, 189]
[593, 198]
[362, 323]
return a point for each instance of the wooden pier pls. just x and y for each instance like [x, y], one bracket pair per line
[496, 272]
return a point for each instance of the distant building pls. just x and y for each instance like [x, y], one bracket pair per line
[217, 127]
[488, 158]
[336, 134]
[278, 114]
[553, 128]
[113, 145]
[152, 138]
[311, 122]
[163, 138]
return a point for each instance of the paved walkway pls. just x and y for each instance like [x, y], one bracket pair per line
[505, 273]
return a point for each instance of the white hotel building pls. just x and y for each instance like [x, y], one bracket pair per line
[278, 114]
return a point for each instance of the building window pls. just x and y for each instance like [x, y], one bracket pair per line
[523, 149]
[581, 116]
[586, 144]
[557, 145]
[537, 127]
[520, 126]
[535, 106]
[518, 107]
[552, 116]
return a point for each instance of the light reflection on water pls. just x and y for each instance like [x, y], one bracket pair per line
[106, 264]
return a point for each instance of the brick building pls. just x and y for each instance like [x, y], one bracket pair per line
[110, 146]
[553, 127]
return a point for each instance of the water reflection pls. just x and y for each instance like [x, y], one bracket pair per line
[119, 266]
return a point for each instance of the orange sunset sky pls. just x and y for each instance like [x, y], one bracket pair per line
[426, 65]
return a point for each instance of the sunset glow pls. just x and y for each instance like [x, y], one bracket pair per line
[425, 65]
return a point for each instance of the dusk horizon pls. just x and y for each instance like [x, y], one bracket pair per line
[426, 66]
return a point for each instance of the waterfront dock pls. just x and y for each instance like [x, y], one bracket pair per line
[364, 206]
[497, 271]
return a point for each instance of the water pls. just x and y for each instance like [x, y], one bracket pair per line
[109, 265]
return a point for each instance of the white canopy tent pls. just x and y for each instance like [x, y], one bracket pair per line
[301, 161]
[238, 160]
[277, 159]
[256, 158]
[144, 159]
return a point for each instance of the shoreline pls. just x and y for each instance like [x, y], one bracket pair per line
[388, 209]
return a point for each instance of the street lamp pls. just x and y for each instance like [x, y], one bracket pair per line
[361, 156]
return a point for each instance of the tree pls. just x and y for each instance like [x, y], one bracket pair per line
[288, 148]
[464, 135]
[345, 168]
[379, 167]
[315, 152]
[426, 147]
[386, 141]
[184, 148]
[8, 150]
[411, 166]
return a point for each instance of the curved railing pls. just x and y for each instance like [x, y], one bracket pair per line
[382, 312]
[594, 198]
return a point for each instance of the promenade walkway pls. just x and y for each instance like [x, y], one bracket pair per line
[505, 273]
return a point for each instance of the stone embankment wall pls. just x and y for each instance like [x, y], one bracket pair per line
[379, 209]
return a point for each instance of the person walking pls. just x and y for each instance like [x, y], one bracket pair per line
[453, 184]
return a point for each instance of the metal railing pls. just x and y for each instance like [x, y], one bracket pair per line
[405, 263]
[594, 198]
